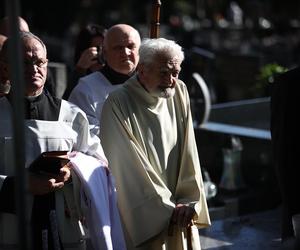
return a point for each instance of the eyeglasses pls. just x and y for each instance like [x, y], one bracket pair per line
[37, 62]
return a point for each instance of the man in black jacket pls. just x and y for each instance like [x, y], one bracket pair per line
[285, 130]
[51, 124]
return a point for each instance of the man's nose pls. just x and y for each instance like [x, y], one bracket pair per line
[169, 79]
[126, 51]
[32, 67]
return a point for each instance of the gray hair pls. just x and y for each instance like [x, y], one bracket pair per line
[22, 35]
[150, 48]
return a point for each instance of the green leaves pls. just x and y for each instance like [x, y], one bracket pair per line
[268, 71]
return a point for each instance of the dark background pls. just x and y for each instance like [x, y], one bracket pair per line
[231, 55]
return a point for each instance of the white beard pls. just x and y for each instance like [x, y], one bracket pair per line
[164, 93]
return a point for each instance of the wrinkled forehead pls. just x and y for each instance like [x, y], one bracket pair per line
[168, 61]
[33, 47]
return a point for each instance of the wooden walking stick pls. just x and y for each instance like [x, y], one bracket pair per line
[154, 26]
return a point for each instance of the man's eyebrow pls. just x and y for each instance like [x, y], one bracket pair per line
[166, 68]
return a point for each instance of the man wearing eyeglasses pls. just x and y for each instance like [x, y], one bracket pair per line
[51, 124]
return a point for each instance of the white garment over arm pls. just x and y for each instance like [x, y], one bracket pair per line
[99, 203]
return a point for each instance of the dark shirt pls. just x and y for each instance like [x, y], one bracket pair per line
[113, 76]
[42, 107]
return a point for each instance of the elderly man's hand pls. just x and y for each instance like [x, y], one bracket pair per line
[183, 215]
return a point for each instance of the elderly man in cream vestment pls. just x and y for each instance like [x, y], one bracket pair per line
[148, 138]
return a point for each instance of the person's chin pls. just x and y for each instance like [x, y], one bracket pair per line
[164, 93]
[35, 83]
[128, 66]
[168, 92]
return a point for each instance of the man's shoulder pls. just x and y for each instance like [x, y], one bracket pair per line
[122, 89]
[292, 75]
[92, 76]
[119, 97]
[181, 86]
[91, 83]
[116, 93]
[70, 110]
[5, 107]
[3, 100]
[287, 83]
[89, 80]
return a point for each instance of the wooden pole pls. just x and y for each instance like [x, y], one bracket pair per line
[154, 27]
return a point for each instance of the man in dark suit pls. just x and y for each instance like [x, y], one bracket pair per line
[285, 130]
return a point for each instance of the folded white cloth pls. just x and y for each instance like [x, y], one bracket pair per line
[99, 202]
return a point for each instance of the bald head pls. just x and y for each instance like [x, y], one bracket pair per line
[120, 48]
[4, 25]
[121, 31]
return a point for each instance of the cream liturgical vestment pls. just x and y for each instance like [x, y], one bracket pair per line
[151, 149]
